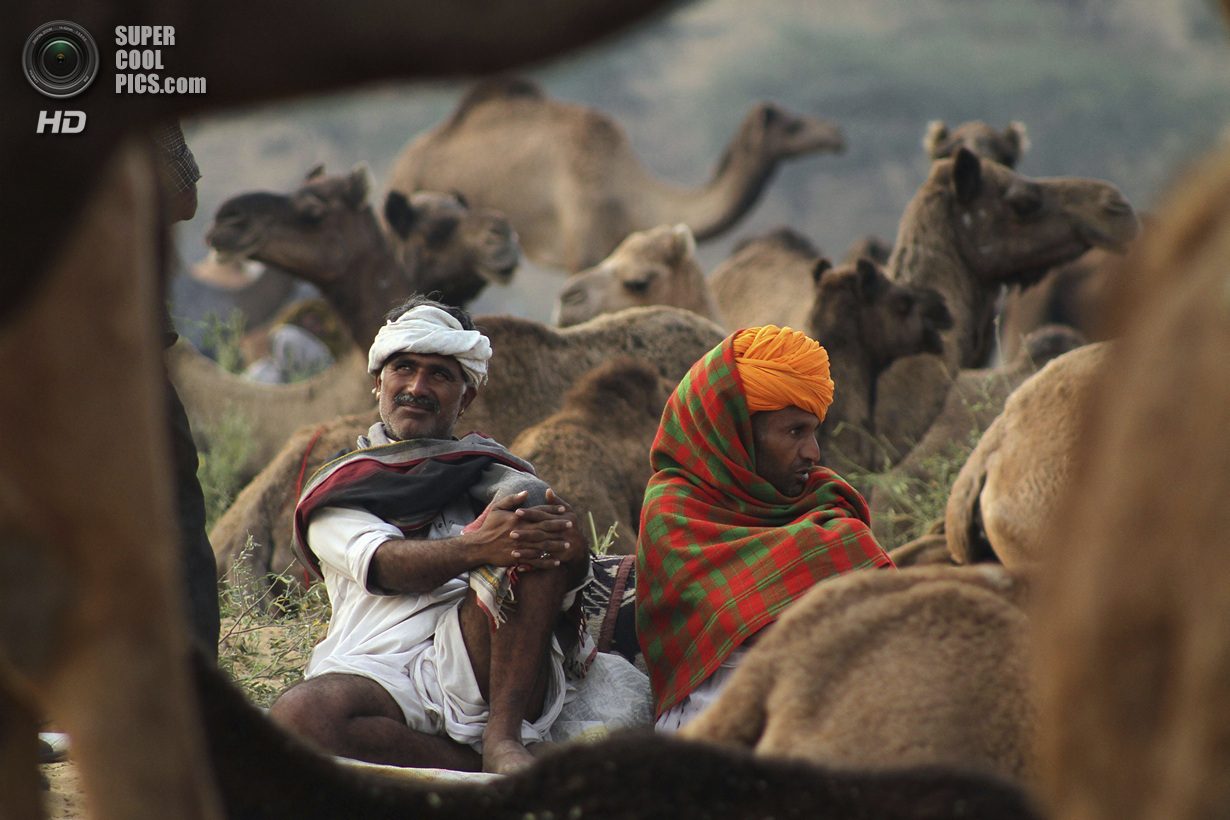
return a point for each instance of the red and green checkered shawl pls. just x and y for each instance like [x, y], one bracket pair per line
[721, 551]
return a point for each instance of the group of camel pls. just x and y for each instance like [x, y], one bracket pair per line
[898, 333]
[1085, 678]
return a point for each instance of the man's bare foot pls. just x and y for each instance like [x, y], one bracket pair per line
[506, 757]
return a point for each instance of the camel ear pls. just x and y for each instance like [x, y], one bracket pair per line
[937, 132]
[818, 269]
[769, 114]
[966, 175]
[869, 281]
[461, 198]
[318, 170]
[360, 185]
[399, 213]
[1016, 136]
[685, 242]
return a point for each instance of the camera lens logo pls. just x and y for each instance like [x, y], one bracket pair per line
[60, 59]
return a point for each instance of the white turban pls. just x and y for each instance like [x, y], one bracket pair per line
[427, 329]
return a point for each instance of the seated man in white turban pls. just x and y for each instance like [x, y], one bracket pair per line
[448, 564]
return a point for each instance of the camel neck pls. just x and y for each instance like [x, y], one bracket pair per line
[925, 255]
[368, 282]
[736, 183]
[848, 432]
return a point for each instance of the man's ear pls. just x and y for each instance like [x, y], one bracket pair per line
[376, 389]
[471, 392]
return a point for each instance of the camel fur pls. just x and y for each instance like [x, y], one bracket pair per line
[569, 181]
[532, 369]
[977, 397]
[1133, 651]
[653, 267]
[769, 279]
[1002, 499]
[1005, 147]
[265, 414]
[883, 670]
[1076, 295]
[594, 451]
[865, 322]
[971, 228]
[94, 634]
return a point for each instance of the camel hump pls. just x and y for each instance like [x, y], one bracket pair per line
[494, 88]
[620, 380]
[786, 237]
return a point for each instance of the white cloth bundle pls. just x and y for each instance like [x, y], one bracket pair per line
[427, 329]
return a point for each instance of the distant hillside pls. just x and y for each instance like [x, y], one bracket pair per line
[1124, 90]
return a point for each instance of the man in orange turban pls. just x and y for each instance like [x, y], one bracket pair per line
[739, 519]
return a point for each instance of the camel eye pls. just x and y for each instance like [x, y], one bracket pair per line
[640, 283]
[441, 231]
[1025, 202]
[309, 209]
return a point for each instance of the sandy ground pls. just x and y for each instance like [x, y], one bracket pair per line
[64, 801]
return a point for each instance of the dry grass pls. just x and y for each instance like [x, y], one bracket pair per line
[266, 641]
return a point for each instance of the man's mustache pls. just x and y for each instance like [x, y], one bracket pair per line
[425, 402]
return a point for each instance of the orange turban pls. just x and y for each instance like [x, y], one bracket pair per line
[781, 367]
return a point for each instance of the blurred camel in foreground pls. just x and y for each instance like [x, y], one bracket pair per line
[1133, 653]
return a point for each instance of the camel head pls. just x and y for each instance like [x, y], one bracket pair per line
[454, 251]
[327, 233]
[313, 232]
[1005, 147]
[1012, 229]
[858, 307]
[776, 133]
[653, 267]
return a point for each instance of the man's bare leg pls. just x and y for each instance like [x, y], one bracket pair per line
[355, 717]
[511, 664]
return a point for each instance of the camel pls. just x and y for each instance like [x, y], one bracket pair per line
[633, 775]
[768, 280]
[532, 368]
[971, 228]
[885, 670]
[326, 233]
[595, 450]
[977, 397]
[218, 402]
[1021, 468]
[1005, 147]
[568, 179]
[1132, 651]
[866, 322]
[95, 636]
[653, 267]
